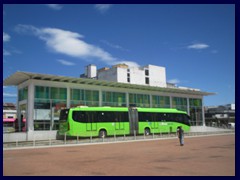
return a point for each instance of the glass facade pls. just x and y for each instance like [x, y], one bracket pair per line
[179, 103]
[82, 97]
[48, 102]
[139, 100]
[114, 99]
[160, 101]
[196, 111]
[23, 93]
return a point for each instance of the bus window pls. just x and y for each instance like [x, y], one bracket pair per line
[100, 116]
[106, 116]
[145, 116]
[64, 115]
[79, 116]
[187, 119]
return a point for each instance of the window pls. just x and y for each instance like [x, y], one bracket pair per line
[140, 100]
[196, 111]
[42, 92]
[106, 116]
[101, 116]
[84, 97]
[23, 93]
[62, 93]
[179, 103]
[64, 114]
[54, 93]
[128, 77]
[161, 101]
[47, 104]
[195, 102]
[145, 116]
[114, 99]
[146, 80]
[79, 116]
[146, 72]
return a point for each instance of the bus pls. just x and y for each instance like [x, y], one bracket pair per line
[108, 121]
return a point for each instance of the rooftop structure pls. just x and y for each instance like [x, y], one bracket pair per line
[147, 75]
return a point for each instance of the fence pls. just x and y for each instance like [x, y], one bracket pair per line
[115, 138]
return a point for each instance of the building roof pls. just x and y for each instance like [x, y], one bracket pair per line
[9, 106]
[20, 77]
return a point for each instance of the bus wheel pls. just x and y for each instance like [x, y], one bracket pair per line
[147, 131]
[102, 133]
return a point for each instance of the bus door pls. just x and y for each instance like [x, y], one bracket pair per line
[133, 120]
[91, 121]
[119, 121]
[154, 123]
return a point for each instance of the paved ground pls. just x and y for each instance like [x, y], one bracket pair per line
[212, 155]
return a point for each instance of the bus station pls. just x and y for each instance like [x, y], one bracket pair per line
[41, 97]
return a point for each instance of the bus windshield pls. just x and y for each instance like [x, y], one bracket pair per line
[64, 115]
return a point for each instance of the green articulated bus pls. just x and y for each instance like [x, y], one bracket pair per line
[109, 121]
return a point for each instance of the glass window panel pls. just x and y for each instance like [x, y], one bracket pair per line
[113, 99]
[88, 95]
[161, 101]
[195, 102]
[23, 93]
[75, 94]
[140, 100]
[62, 93]
[54, 93]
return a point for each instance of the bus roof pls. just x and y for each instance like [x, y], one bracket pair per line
[166, 110]
[85, 108]
[125, 109]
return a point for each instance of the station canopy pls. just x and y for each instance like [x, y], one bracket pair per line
[20, 77]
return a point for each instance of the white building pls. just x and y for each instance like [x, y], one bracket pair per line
[148, 75]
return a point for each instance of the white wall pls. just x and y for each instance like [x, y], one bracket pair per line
[121, 75]
[137, 76]
[157, 76]
[91, 71]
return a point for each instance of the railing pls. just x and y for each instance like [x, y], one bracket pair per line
[111, 139]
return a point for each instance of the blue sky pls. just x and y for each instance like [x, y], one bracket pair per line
[195, 43]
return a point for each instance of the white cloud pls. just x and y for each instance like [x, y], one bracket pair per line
[55, 6]
[71, 44]
[198, 46]
[129, 63]
[66, 63]
[6, 37]
[103, 7]
[174, 81]
[9, 95]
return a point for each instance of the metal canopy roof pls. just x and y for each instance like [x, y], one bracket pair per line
[20, 77]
